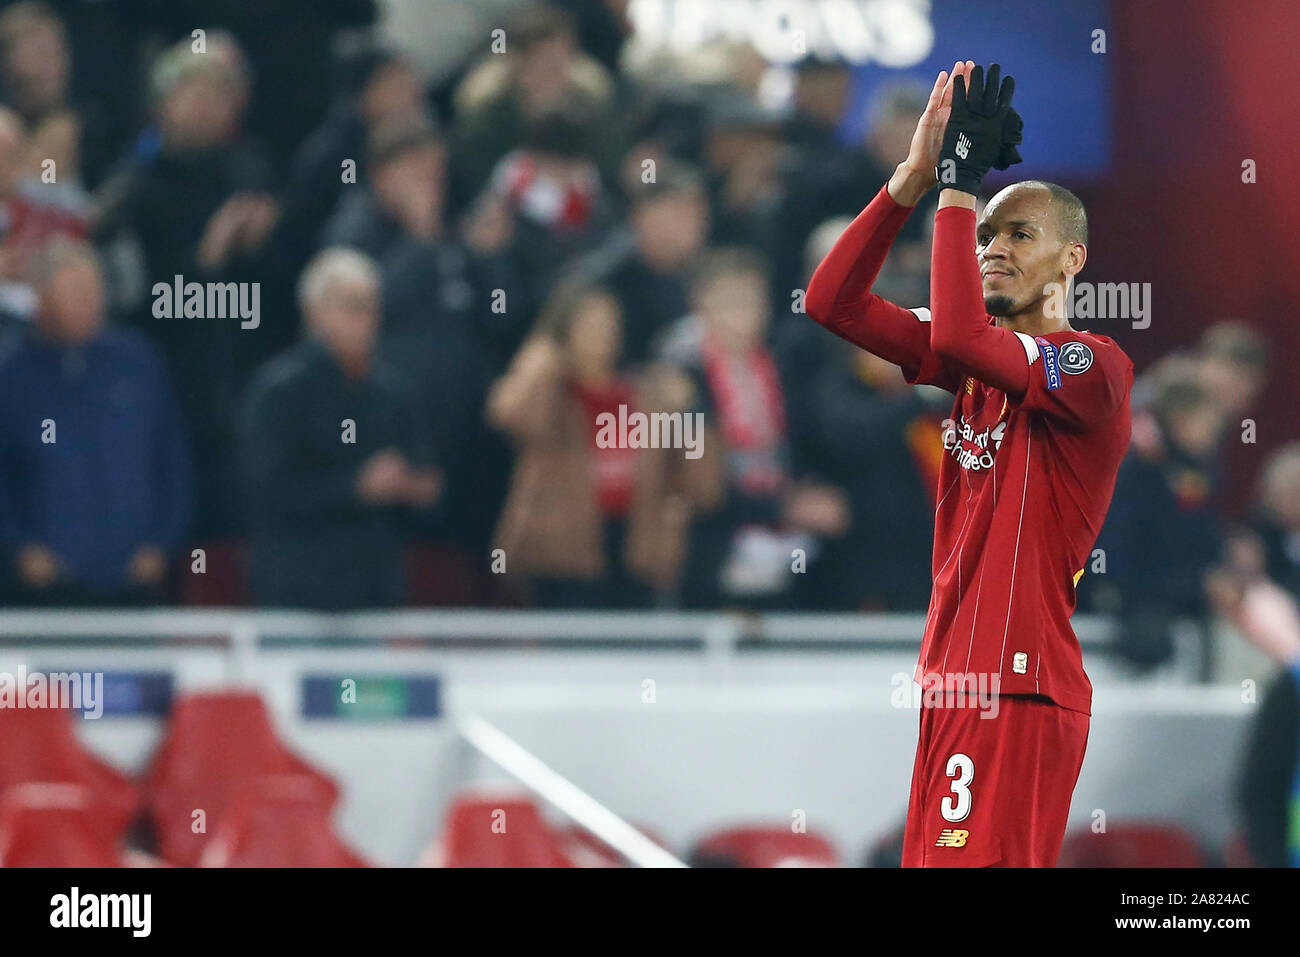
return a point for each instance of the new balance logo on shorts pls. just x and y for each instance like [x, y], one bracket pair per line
[952, 837]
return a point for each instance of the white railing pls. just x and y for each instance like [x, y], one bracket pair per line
[562, 794]
[719, 635]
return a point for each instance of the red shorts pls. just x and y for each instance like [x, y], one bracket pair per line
[993, 791]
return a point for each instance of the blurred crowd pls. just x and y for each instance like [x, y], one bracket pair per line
[446, 285]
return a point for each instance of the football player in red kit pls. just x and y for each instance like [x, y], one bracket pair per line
[1039, 425]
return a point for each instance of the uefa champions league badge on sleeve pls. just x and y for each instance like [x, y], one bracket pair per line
[1075, 357]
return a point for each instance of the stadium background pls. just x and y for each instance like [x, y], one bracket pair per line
[699, 710]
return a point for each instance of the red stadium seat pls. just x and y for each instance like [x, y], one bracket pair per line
[1236, 852]
[764, 847]
[585, 849]
[277, 821]
[54, 825]
[1133, 844]
[441, 575]
[39, 745]
[503, 830]
[216, 742]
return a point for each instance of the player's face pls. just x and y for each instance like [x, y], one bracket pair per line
[1019, 251]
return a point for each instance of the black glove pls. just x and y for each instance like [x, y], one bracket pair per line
[1011, 138]
[983, 131]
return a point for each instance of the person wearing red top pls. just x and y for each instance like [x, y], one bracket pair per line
[1039, 425]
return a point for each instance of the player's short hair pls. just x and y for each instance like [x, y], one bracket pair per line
[1071, 217]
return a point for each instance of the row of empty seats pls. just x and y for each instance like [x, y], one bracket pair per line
[223, 790]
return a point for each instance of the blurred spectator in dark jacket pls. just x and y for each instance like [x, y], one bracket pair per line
[1268, 779]
[335, 448]
[877, 437]
[36, 79]
[1234, 365]
[95, 480]
[404, 193]
[289, 45]
[821, 94]
[375, 86]
[1268, 782]
[1257, 589]
[855, 421]
[541, 70]
[195, 196]
[648, 267]
[1278, 516]
[26, 223]
[1266, 614]
[552, 189]
[1233, 359]
[590, 522]
[453, 312]
[194, 190]
[746, 158]
[601, 26]
[769, 521]
[824, 178]
[1162, 533]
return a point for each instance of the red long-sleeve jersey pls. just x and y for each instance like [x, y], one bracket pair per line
[1038, 429]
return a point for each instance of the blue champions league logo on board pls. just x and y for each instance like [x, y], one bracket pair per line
[1051, 365]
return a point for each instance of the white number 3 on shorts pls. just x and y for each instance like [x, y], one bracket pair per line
[963, 768]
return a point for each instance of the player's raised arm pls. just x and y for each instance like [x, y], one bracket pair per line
[839, 295]
[981, 133]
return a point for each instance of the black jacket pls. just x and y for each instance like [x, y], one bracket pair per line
[315, 543]
[1267, 771]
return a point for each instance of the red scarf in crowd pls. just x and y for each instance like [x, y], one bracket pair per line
[750, 404]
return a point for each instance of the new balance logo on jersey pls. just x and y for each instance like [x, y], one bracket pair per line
[963, 146]
[952, 837]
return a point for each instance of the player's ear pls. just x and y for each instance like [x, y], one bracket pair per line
[1076, 254]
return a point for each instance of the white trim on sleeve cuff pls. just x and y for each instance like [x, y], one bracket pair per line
[1031, 347]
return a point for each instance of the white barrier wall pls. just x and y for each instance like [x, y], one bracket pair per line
[753, 737]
